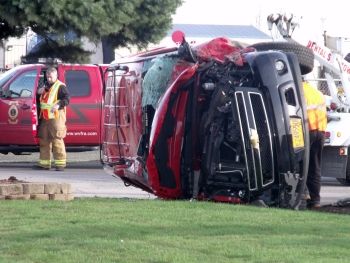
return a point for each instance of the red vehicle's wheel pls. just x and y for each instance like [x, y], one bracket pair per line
[304, 54]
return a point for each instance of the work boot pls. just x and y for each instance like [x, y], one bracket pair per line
[38, 167]
[59, 168]
[313, 205]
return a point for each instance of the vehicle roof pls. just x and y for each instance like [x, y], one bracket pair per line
[42, 65]
[145, 55]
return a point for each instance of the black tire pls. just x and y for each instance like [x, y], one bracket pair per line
[346, 181]
[305, 55]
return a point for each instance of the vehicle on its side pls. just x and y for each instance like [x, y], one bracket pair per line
[19, 106]
[209, 122]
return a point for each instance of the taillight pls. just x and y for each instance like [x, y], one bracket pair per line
[333, 106]
[343, 151]
[327, 134]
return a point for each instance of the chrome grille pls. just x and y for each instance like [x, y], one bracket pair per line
[249, 159]
[263, 129]
[259, 161]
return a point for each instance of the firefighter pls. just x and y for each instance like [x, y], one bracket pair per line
[317, 121]
[54, 98]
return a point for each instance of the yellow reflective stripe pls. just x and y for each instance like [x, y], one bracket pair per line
[53, 92]
[312, 107]
[315, 107]
[53, 98]
[45, 163]
[60, 162]
[45, 106]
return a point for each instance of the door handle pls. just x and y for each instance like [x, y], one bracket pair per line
[25, 107]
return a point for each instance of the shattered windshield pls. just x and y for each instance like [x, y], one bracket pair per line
[156, 80]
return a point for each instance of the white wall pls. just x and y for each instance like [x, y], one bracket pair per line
[14, 48]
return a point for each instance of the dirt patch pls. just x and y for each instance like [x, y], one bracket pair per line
[11, 180]
[335, 209]
[342, 206]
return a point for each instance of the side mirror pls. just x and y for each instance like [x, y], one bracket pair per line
[6, 93]
[185, 50]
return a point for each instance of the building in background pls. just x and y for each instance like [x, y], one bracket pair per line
[13, 49]
[11, 52]
[36, 42]
[199, 33]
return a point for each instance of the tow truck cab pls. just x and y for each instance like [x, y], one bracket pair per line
[229, 124]
[19, 106]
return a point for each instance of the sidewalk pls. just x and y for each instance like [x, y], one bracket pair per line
[88, 179]
[93, 182]
[84, 173]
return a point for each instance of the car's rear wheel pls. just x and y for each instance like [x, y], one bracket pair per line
[304, 54]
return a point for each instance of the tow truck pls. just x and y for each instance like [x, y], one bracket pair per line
[336, 70]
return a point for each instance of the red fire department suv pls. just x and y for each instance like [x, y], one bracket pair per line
[18, 106]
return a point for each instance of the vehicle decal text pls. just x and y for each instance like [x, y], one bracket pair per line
[325, 54]
[82, 133]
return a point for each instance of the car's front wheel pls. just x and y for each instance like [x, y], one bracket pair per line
[304, 54]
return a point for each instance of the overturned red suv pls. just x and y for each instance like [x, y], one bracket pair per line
[214, 121]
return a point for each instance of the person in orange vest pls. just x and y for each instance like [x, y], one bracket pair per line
[54, 98]
[317, 121]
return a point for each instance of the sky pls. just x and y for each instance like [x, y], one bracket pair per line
[315, 16]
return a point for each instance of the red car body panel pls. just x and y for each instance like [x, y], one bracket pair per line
[174, 142]
[219, 49]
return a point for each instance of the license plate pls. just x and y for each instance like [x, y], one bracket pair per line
[297, 133]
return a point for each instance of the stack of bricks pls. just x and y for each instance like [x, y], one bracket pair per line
[36, 191]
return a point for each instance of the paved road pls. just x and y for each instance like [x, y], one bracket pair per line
[84, 172]
[87, 177]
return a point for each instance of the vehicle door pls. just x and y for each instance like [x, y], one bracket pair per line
[16, 108]
[83, 112]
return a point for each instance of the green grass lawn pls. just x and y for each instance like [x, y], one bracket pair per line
[120, 230]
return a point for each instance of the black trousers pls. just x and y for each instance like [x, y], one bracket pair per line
[314, 175]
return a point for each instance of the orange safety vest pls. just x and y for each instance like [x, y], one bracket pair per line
[316, 108]
[48, 99]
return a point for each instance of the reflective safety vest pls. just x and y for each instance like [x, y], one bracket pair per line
[48, 99]
[316, 108]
